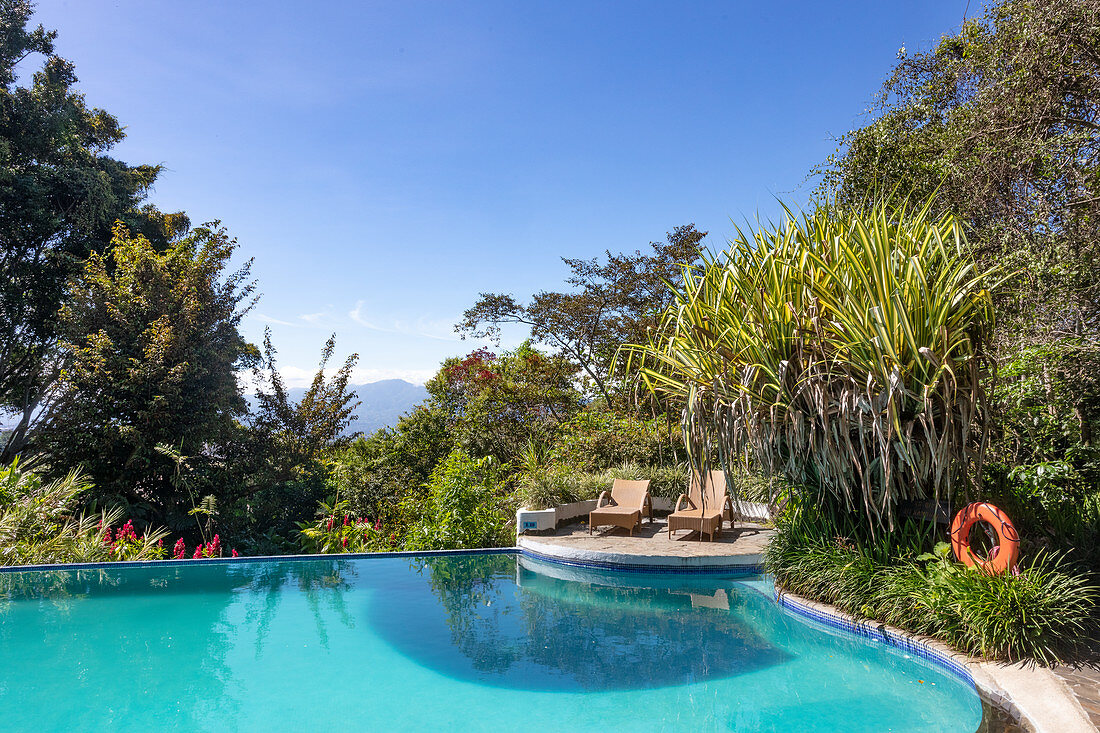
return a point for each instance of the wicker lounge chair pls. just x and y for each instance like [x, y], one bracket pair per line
[704, 517]
[624, 506]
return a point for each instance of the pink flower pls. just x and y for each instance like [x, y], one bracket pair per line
[198, 552]
[344, 542]
[235, 554]
[180, 550]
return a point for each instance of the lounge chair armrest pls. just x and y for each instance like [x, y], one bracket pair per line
[603, 495]
[680, 501]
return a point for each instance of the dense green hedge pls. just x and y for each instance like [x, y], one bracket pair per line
[595, 440]
[548, 487]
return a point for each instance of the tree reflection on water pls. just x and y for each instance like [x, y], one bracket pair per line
[482, 618]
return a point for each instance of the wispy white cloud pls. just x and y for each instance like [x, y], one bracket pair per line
[424, 328]
[359, 317]
[274, 321]
[314, 319]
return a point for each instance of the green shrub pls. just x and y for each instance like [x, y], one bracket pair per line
[666, 482]
[1032, 614]
[593, 441]
[337, 530]
[1036, 614]
[464, 507]
[543, 488]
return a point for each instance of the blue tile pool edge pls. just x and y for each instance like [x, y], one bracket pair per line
[833, 620]
[254, 558]
[953, 663]
[839, 621]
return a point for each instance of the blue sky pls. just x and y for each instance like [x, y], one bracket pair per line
[386, 161]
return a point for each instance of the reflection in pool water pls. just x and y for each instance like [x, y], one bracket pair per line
[546, 633]
[451, 643]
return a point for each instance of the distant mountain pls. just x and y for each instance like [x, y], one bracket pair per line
[382, 402]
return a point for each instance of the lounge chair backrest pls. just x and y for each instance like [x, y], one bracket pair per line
[629, 493]
[716, 490]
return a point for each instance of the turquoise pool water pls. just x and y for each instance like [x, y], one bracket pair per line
[467, 642]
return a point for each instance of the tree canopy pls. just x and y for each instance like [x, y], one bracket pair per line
[611, 303]
[1000, 124]
[60, 196]
[149, 351]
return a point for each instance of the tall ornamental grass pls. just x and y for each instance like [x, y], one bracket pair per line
[843, 349]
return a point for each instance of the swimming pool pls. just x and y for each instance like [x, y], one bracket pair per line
[446, 642]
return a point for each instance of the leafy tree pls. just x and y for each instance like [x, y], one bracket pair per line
[279, 461]
[375, 474]
[60, 195]
[611, 303]
[594, 440]
[300, 432]
[150, 349]
[1001, 121]
[821, 350]
[495, 405]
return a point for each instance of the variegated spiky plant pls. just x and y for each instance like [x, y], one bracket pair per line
[843, 348]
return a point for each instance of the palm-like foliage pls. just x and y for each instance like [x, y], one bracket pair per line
[38, 524]
[842, 348]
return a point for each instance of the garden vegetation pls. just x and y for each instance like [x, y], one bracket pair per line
[924, 334]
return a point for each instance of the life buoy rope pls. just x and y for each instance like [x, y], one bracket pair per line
[1003, 557]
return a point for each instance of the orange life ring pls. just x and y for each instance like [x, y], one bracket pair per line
[1004, 555]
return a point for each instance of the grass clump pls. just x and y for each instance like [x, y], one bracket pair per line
[1040, 613]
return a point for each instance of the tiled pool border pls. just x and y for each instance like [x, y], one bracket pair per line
[833, 620]
[255, 558]
[875, 632]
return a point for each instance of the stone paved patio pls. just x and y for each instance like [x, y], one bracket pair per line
[652, 539]
[1084, 679]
